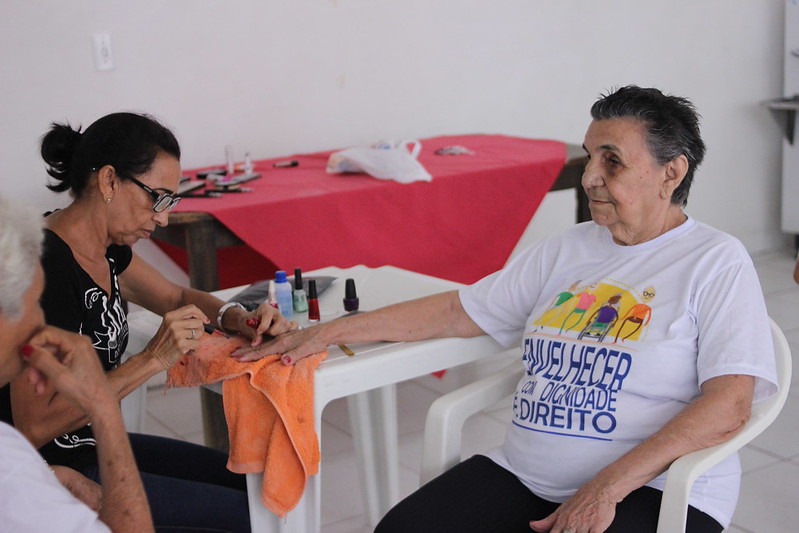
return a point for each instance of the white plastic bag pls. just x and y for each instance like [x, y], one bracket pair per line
[386, 160]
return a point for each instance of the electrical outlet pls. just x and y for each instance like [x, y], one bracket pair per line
[103, 57]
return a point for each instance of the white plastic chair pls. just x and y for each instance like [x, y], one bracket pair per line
[445, 419]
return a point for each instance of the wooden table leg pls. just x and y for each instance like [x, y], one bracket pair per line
[570, 177]
[202, 235]
[583, 212]
[201, 254]
[215, 430]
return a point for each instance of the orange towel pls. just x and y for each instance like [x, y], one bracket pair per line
[269, 412]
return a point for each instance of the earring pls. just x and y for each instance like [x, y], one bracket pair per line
[108, 200]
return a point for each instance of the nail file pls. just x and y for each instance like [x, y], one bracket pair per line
[346, 349]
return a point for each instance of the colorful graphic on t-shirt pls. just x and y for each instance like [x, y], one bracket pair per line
[577, 365]
[608, 305]
[602, 320]
[639, 314]
[556, 306]
[584, 301]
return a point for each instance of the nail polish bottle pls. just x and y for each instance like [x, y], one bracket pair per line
[231, 165]
[350, 296]
[313, 302]
[299, 298]
[248, 166]
[271, 297]
[283, 292]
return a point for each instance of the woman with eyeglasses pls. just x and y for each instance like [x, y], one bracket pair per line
[122, 173]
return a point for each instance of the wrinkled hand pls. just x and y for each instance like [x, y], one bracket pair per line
[265, 320]
[294, 345]
[68, 363]
[179, 333]
[590, 510]
[80, 486]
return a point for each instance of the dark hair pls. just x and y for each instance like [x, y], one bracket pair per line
[672, 127]
[127, 141]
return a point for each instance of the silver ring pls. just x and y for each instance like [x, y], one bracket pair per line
[192, 338]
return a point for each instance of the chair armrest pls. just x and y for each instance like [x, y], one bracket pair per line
[441, 449]
[683, 472]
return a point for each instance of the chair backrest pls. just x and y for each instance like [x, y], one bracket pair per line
[683, 472]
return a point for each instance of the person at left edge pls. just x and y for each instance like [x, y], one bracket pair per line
[32, 497]
[122, 173]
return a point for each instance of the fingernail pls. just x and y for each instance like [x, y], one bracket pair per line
[26, 350]
[286, 359]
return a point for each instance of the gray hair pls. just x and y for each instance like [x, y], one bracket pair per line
[20, 247]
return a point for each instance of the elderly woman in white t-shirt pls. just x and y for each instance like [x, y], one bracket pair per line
[33, 496]
[599, 416]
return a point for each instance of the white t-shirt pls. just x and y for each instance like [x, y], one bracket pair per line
[616, 340]
[31, 497]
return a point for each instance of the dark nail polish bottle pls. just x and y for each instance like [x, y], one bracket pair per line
[350, 296]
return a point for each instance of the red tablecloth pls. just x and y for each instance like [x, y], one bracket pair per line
[460, 226]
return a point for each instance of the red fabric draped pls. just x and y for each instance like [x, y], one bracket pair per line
[460, 226]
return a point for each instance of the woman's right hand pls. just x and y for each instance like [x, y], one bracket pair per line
[66, 362]
[179, 333]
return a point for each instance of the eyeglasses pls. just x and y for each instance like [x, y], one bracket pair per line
[162, 201]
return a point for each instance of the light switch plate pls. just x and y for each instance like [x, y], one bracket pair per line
[103, 56]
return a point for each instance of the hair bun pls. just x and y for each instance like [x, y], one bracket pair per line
[58, 148]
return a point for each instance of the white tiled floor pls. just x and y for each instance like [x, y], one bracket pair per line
[769, 500]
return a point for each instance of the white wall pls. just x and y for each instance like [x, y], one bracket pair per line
[276, 77]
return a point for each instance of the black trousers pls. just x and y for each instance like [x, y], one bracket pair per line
[482, 497]
[189, 488]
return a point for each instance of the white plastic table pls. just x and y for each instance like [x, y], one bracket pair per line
[366, 379]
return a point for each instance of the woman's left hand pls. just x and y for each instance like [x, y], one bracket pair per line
[590, 510]
[292, 346]
[265, 320]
